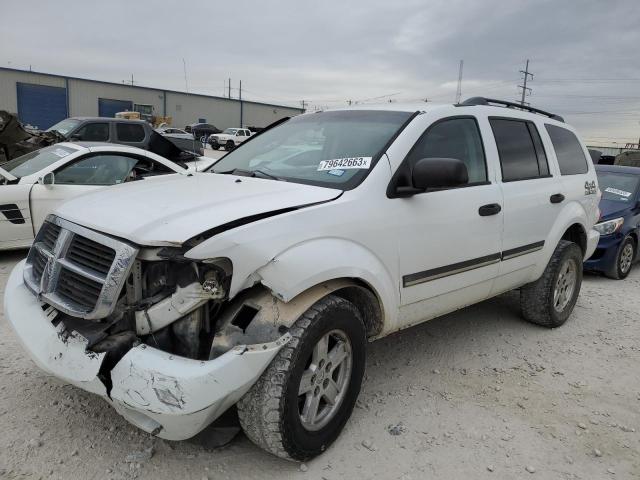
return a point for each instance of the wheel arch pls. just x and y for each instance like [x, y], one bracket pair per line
[351, 271]
[577, 234]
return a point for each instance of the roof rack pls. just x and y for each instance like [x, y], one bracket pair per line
[488, 101]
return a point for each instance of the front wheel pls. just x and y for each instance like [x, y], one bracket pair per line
[300, 404]
[624, 259]
[550, 300]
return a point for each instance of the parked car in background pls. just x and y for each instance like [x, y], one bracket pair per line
[175, 133]
[135, 133]
[619, 223]
[34, 184]
[259, 282]
[201, 131]
[230, 138]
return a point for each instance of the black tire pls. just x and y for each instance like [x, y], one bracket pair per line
[270, 412]
[623, 265]
[229, 146]
[537, 300]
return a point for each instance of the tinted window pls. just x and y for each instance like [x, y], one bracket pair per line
[571, 158]
[518, 158]
[456, 138]
[130, 132]
[93, 132]
[96, 170]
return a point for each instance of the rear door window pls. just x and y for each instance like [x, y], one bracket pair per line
[93, 132]
[522, 156]
[130, 132]
[570, 155]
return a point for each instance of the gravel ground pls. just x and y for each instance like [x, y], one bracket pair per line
[476, 394]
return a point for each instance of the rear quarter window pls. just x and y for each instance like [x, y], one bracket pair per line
[569, 152]
[130, 132]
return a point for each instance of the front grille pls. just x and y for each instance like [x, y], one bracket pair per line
[49, 234]
[77, 289]
[90, 254]
[77, 270]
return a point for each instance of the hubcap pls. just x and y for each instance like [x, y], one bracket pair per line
[626, 257]
[325, 380]
[565, 285]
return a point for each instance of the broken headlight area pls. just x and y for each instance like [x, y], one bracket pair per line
[171, 305]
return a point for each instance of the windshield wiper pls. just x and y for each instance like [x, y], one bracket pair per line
[251, 173]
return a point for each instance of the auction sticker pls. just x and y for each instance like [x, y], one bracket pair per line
[615, 191]
[345, 163]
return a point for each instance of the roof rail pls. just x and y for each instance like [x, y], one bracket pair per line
[488, 101]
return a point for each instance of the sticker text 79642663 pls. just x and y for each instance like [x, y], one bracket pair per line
[345, 163]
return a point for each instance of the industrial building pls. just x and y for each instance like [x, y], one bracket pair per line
[43, 99]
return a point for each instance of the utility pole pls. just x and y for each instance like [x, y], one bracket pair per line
[229, 88]
[524, 87]
[459, 89]
[240, 97]
[186, 83]
[304, 105]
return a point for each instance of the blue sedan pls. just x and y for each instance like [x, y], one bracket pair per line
[619, 223]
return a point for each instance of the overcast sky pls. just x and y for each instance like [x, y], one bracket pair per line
[585, 55]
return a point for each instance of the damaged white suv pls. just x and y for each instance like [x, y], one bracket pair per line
[258, 283]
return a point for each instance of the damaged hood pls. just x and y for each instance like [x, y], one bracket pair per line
[171, 209]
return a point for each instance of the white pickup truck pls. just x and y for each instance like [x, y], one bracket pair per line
[229, 139]
[259, 282]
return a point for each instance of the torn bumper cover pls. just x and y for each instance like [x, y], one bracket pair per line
[167, 395]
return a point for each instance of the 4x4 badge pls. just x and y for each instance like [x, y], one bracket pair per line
[590, 188]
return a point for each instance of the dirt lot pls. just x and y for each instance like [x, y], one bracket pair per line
[476, 394]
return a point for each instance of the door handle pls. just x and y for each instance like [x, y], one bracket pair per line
[556, 198]
[490, 209]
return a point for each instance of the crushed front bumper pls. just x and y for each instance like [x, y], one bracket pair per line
[169, 396]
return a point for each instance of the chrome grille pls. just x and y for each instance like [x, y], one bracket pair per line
[77, 270]
[90, 254]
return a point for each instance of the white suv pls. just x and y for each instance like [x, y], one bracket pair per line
[229, 139]
[259, 282]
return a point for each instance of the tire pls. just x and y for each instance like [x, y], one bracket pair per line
[228, 146]
[624, 259]
[538, 300]
[271, 413]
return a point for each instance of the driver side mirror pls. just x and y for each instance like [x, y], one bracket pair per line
[48, 180]
[430, 173]
[76, 137]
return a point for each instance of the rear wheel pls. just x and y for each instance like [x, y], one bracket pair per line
[624, 259]
[300, 404]
[229, 146]
[550, 300]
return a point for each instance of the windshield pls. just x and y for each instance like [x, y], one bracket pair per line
[35, 161]
[328, 149]
[65, 126]
[230, 131]
[618, 187]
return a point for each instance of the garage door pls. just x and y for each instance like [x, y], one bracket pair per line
[41, 105]
[108, 107]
